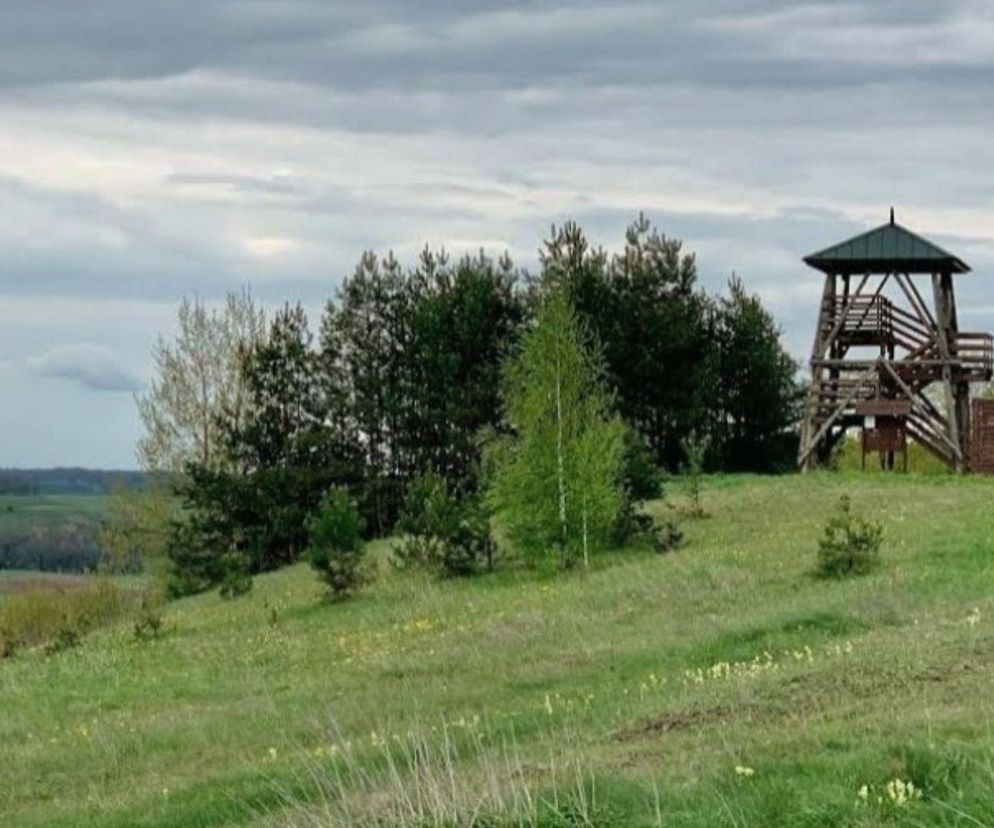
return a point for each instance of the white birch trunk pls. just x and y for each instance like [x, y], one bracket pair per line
[586, 553]
[559, 452]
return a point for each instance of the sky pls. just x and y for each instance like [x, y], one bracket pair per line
[151, 150]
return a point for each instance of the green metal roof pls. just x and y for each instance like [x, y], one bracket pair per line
[889, 248]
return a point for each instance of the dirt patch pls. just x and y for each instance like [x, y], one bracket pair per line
[679, 720]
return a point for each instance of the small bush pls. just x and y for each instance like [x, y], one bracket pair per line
[424, 517]
[235, 583]
[640, 475]
[695, 449]
[442, 531]
[666, 536]
[468, 544]
[148, 623]
[66, 637]
[632, 526]
[336, 545]
[8, 644]
[850, 544]
[629, 523]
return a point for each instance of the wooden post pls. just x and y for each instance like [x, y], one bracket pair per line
[826, 313]
[941, 287]
[961, 389]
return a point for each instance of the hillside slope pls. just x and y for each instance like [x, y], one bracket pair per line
[719, 685]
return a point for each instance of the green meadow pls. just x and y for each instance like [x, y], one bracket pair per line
[721, 684]
[23, 512]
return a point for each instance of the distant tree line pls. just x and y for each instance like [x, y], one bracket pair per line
[66, 481]
[67, 546]
[406, 379]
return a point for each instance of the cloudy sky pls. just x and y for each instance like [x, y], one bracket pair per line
[151, 149]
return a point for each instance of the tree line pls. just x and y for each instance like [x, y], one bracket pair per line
[422, 395]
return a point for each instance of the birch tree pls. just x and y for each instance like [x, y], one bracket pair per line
[197, 379]
[557, 486]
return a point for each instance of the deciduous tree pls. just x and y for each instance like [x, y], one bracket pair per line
[198, 382]
[557, 486]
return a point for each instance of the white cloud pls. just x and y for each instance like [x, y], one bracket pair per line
[267, 247]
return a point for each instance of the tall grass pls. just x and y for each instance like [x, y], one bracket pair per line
[57, 618]
[431, 778]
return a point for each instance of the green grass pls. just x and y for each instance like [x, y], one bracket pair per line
[848, 458]
[651, 677]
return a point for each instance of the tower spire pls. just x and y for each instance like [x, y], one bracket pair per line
[891, 215]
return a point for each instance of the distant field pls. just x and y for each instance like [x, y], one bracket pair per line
[721, 685]
[20, 512]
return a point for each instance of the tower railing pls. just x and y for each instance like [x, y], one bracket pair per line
[974, 351]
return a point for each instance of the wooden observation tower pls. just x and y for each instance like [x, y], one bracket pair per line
[885, 359]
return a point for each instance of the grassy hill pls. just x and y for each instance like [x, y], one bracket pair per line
[719, 685]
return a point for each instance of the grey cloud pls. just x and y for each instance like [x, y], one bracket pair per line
[91, 366]
[271, 185]
[152, 150]
[367, 45]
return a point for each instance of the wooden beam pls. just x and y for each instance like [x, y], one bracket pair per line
[919, 397]
[869, 304]
[915, 298]
[845, 309]
[920, 437]
[817, 350]
[807, 450]
[942, 328]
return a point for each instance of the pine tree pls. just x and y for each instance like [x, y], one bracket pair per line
[644, 307]
[336, 546]
[463, 320]
[758, 396]
[557, 486]
[410, 366]
[253, 517]
[363, 336]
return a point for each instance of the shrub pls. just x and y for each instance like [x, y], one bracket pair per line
[336, 545]
[695, 449]
[442, 531]
[850, 544]
[235, 582]
[641, 481]
[640, 475]
[66, 637]
[666, 536]
[634, 526]
[148, 622]
[424, 517]
[468, 545]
